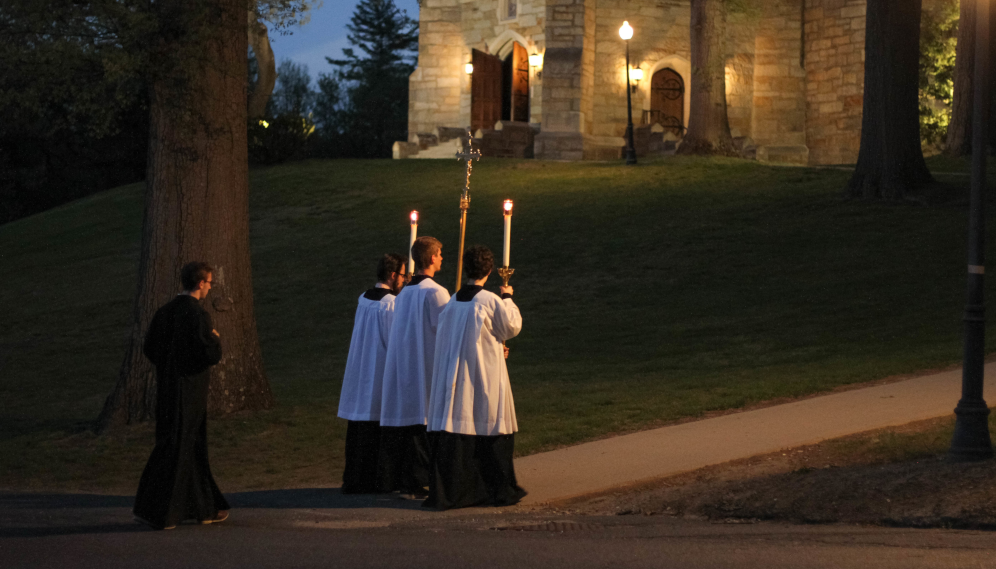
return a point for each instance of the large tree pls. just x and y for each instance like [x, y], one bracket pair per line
[708, 122]
[196, 199]
[266, 70]
[959, 136]
[890, 160]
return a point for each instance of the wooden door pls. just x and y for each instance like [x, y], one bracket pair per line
[667, 100]
[520, 83]
[485, 91]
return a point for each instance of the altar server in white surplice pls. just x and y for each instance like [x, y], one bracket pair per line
[359, 401]
[403, 462]
[471, 413]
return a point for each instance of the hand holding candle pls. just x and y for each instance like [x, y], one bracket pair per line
[508, 232]
[411, 241]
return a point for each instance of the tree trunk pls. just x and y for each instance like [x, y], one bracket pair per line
[708, 124]
[890, 160]
[259, 40]
[196, 206]
[959, 139]
[992, 75]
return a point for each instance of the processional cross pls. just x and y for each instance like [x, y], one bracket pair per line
[469, 155]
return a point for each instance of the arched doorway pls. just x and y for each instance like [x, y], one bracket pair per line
[499, 87]
[515, 75]
[667, 101]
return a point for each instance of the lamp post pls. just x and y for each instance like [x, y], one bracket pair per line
[626, 32]
[971, 439]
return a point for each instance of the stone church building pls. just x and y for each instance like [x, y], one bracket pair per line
[546, 78]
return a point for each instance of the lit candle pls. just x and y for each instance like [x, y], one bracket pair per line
[411, 241]
[508, 232]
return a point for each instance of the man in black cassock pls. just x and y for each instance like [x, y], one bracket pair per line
[182, 343]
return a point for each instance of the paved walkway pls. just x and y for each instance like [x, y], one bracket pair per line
[641, 457]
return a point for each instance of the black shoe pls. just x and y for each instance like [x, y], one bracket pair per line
[144, 521]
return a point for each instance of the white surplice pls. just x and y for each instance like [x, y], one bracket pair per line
[408, 368]
[361, 384]
[471, 394]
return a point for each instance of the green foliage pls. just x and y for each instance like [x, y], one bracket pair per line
[938, 39]
[329, 103]
[65, 67]
[74, 82]
[284, 14]
[293, 94]
[279, 139]
[73, 102]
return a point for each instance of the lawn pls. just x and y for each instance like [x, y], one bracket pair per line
[649, 295]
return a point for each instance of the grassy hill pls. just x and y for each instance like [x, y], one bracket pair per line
[649, 294]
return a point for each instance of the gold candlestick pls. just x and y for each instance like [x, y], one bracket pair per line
[505, 273]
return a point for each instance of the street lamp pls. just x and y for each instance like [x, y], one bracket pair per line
[971, 436]
[626, 32]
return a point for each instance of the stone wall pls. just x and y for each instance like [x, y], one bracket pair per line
[835, 68]
[485, 31]
[741, 33]
[779, 114]
[794, 70]
[566, 92]
[437, 86]
[660, 29]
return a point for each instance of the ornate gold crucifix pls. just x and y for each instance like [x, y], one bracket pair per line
[469, 154]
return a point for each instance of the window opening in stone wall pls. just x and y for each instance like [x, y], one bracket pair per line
[508, 9]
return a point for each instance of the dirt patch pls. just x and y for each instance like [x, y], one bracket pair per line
[893, 477]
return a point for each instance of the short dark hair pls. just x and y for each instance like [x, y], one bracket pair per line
[423, 249]
[193, 273]
[478, 261]
[390, 263]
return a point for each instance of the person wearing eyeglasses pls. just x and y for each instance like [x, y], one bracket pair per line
[359, 400]
[182, 343]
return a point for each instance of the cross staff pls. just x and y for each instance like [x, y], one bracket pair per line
[469, 154]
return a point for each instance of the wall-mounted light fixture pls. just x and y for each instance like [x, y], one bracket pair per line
[468, 68]
[536, 63]
[636, 75]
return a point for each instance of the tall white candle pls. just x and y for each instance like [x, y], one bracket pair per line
[508, 232]
[411, 241]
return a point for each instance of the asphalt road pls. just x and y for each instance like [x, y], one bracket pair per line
[308, 528]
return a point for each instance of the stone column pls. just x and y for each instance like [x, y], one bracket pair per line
[779, 114]
[835, 70]
[438, 87]
[568, 79]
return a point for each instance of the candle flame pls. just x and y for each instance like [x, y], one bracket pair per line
[414, 216]
[508, 206]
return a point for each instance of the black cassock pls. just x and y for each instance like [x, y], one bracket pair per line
[177, 484]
